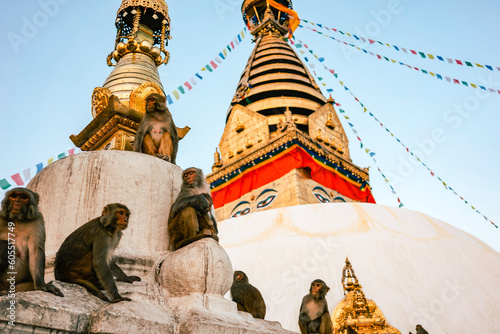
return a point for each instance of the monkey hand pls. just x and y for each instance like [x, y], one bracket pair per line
[120, 299]
[131, 279]
[50, 288]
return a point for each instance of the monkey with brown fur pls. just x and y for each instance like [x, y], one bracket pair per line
[22, 243]
[314, 316]
[190, 216]
[157, 134]
[247, 297]
[86, 256]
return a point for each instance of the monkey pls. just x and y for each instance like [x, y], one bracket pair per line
[314, 316]
[191, 216]
[247, 297]
[157, 134]
[86, 255]
[420, 330]
[22, 244]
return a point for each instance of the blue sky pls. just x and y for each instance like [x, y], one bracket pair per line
[53, 56]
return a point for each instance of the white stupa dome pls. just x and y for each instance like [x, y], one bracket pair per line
[417, 269]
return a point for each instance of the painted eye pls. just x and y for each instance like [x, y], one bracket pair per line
[321, 195]
[240, 213]
[267, 201]
[322, 199]
[243, 208]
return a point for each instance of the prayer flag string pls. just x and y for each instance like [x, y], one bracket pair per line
[421, 70]
[420, 54]
[19, 181]
[209, 67]
[365, 110]
[347, 118]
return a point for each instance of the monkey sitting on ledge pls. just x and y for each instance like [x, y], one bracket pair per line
[190, 216]
[314, 316]
[22, 243]
[86, 256]
[157, 134]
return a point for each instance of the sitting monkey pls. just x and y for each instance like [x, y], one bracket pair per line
[190, 216]
[86, 256]
[157, 134]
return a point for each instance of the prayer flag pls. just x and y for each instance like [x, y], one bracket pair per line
[293, 17]
[4, 184]
[176, 94]
[51, 160]
[181, 89]
[456, 81]
[459, 62]
[71, 152]
[199, 76]
[209, 68]
[60, 156]
[430, 56]
[479, 65]
[422, 54]
[218, 59]
[468, 63]
[188, 85]
[17, 179]
[27, 174]
[214, 65]
[39, 167]
[489, 67]
[169, 99]
[440, 58]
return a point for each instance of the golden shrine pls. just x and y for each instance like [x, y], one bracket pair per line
[143, 31]
[355, 314]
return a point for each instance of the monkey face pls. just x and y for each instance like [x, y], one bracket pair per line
[239, 275]
[150, 104]
[315, 288]
[122, 217]
[189, 176]
[18, 202]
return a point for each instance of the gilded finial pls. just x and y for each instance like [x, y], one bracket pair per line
[145, 30]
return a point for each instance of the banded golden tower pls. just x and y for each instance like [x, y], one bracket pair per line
[283, 143]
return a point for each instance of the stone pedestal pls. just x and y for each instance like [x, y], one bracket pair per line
[75, 189]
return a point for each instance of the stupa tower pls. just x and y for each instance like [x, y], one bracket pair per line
[143, 31]
[283, 143]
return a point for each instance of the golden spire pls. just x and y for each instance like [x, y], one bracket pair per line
[142, 26]
[355, 311]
